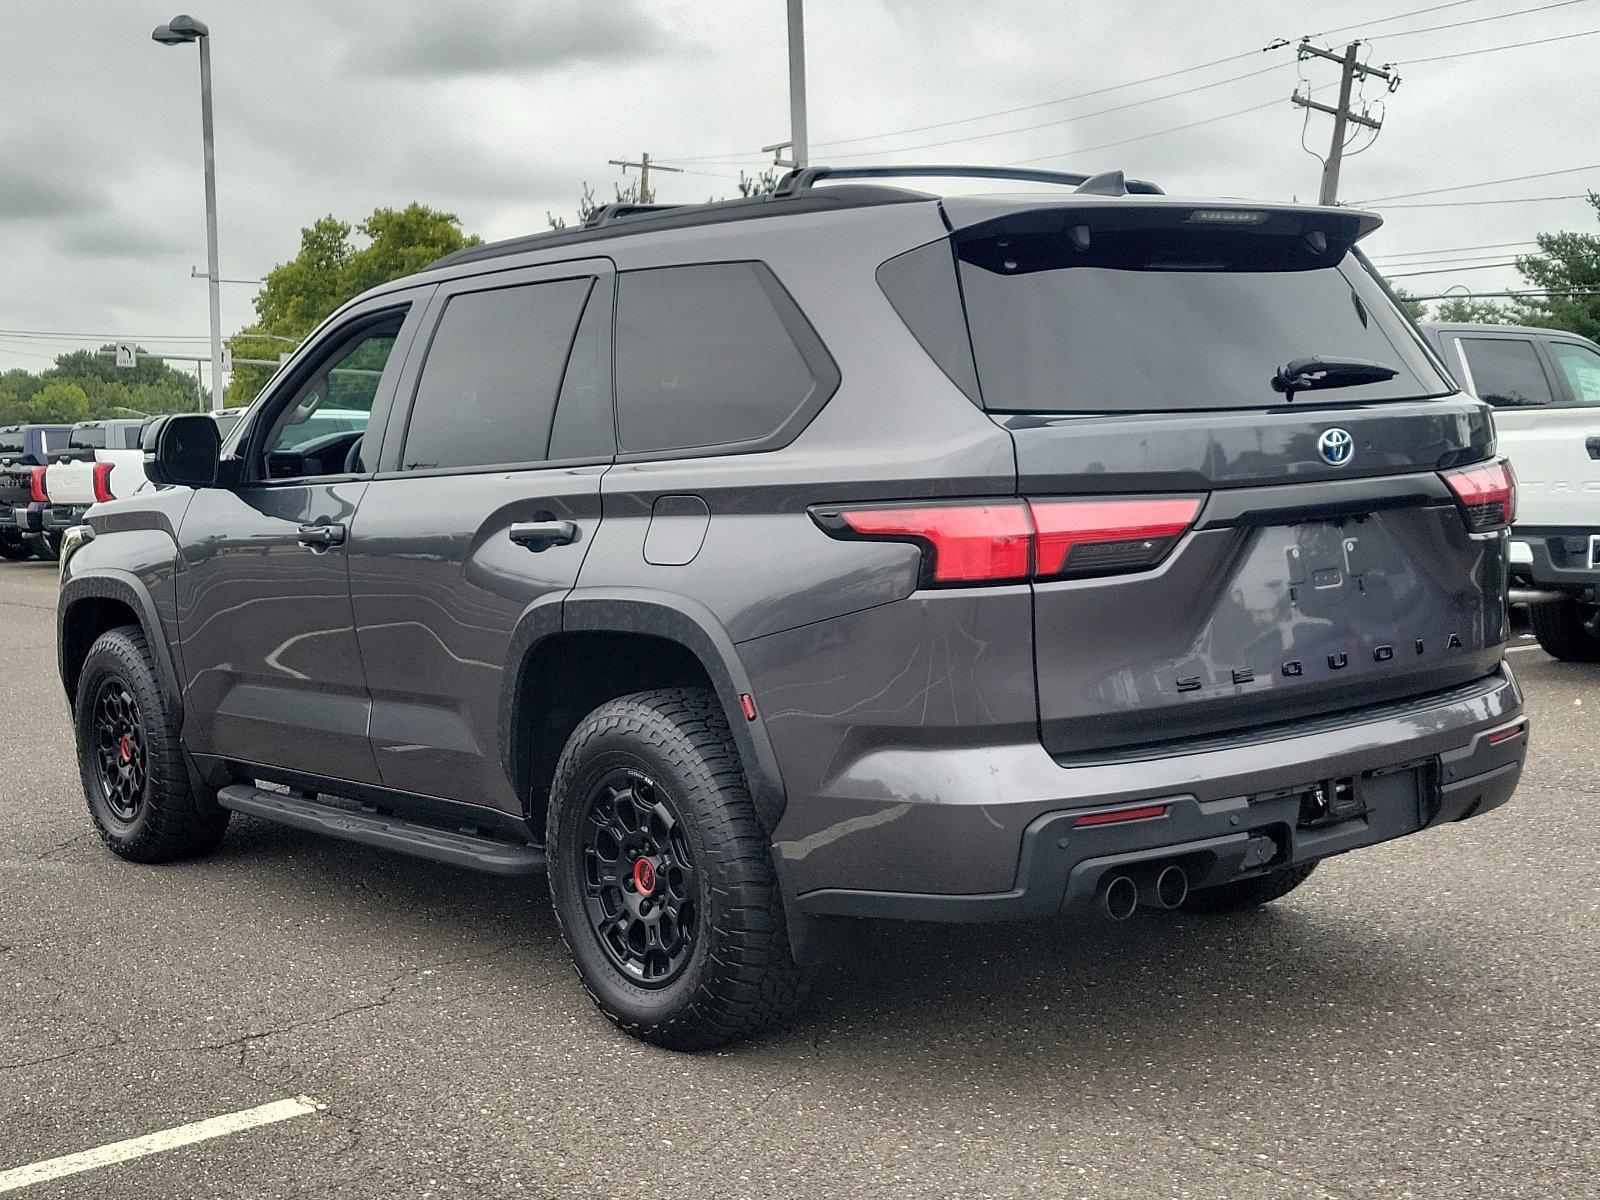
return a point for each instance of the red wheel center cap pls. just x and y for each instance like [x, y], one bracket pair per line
[125, 748]
[644, 876]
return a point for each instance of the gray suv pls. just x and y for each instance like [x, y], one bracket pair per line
[851, 552]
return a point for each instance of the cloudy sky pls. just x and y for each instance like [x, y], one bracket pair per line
[499, 110]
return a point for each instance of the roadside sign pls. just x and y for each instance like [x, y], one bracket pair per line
[127, 355]
[227, 359]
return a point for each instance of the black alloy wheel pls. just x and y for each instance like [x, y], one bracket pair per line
[120, 761]
[639, 878]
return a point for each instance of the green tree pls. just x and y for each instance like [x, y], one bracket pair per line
[1465, 308]
[761, 184]
[331, 268]
[1415, 308]
[58, 400]
[84, 385]
[1566, 262]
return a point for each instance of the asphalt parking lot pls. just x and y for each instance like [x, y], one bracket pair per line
[1420, 1020]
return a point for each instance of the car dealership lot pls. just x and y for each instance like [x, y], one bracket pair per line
[1422, 1019]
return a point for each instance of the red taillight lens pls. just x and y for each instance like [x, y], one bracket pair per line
[962, 543]
[1088, 536]
[102, 482]
[1488, 494]
[36, 486]
[1008, 541]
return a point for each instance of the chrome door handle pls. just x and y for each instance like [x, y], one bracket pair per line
[321, 537]
[541, 535]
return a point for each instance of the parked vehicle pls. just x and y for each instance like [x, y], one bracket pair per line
[848, 552]
[24, 451]
[101, 461]
[1544, 385]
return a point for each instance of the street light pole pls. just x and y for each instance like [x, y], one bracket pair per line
[176, 32]
[799, 149]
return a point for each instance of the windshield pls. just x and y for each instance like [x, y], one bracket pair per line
[11, 442]
[1177, 333]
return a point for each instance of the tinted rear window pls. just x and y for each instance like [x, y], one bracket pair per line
[11, 442]
[1172, 320]
[1506, 372]
[88, 438]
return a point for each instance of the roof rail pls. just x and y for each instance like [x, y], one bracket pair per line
[611, 212]
[802, 178]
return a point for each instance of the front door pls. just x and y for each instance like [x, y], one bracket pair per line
[267, 637]
[486, 501]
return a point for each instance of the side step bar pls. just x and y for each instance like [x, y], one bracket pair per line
[373, 829]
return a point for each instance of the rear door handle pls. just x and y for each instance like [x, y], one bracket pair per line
[541, 535]
[320, 537]
[1593, 445]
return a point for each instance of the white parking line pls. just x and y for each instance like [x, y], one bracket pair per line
[155, 1143]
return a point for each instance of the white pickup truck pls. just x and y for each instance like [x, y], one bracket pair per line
[1544, 385]
[101, 461]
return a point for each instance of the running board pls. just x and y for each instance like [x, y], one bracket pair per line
[374, 829]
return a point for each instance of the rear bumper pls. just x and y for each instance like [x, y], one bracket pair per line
[1226, 811]
[29, 518]
[60, 517]
[1559, 558]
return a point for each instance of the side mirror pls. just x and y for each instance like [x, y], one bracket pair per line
[183, 449]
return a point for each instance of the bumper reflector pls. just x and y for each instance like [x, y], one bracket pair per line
[1148, 812]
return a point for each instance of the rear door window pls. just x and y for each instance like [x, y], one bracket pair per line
[487, 395]
[714, 357]
[1506, 372]
[1581, 366]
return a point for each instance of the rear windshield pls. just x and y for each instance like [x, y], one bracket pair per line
[11, 442]
[91, 437]
[1168, 323]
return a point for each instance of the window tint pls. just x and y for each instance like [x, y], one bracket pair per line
[1581, 366]
[584, 426]
[1506, 372]
[87, 437]
[707, 356]
[314, 432]
[488, 389]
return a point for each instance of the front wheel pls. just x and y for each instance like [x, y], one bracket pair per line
[1562, 628]
[661, 875]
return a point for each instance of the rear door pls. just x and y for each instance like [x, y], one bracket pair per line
[485, 503]
[1217, 553]
[1547, 408]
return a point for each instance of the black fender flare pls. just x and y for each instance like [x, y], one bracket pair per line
[108, 583]
[659, 614]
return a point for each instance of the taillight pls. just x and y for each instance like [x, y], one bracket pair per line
[1094, 536]
[36, 487]
[1487, 492]
[102, 482]
[961, 543]
[1008, 541]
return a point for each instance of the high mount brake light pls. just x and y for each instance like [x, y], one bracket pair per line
[1009, 541]
[102, 482]
[1487, 492]
[36, 488]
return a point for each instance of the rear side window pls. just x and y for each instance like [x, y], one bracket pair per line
[714, 357]
[1170, 319]
[1506, 372]
[1581, 366]
[488, 390]
[87, 437]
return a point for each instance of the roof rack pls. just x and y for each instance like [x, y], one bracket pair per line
[1108, 183]
[610, 212]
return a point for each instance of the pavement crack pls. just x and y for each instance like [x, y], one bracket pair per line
[62, 1057]
[56, 849]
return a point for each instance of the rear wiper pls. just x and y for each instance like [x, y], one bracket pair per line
[1313, 374]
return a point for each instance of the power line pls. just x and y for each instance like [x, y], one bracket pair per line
[1063, 120]
[62, 335]
[1474, 203]
[1453, 270]
[1457, 187]
[1521, 12]
[1494, 49]
[1451, 250]
[1507, 295]
[1003, 112]
[1017, 162]
[1478, 259]
[1416, 12]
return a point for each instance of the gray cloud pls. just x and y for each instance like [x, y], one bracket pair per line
[447, 40]
[119, 237]
[29, 196]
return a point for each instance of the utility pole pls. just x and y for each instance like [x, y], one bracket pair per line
[1350, 72]
[799, 147]
[646, 196]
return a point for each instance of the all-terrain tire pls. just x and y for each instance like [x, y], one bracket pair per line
[161, 817]
[1245, 894]
[738, 976]
[14, 549]
[45, 545]
[1559, 626]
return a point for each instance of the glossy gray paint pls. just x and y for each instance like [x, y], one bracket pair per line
[905, 738]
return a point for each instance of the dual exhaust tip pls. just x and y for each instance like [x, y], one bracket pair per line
[1164, 887]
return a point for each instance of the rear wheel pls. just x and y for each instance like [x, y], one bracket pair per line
[1245, 894]
[1562, 628]
[662, 878]
[134, 777]
[45, 545]
[12, 547]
